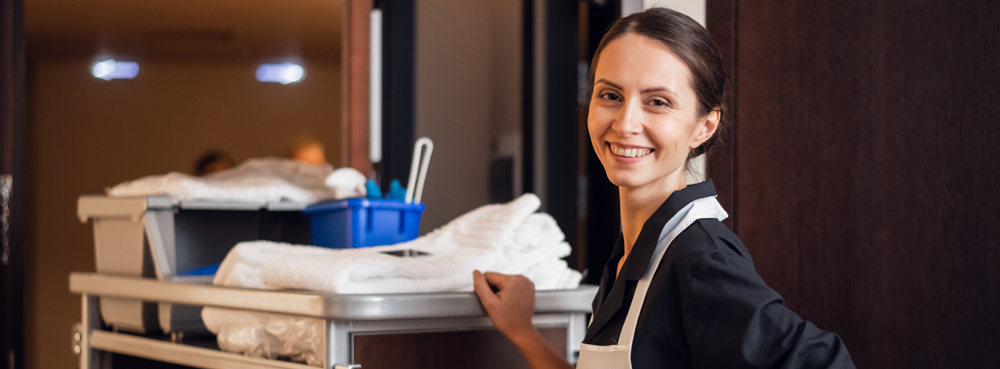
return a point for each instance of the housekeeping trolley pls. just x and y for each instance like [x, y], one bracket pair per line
[350, 320]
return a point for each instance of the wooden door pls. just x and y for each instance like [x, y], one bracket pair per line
[479, 349]
[862, 169]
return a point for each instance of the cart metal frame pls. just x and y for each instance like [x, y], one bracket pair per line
[345, 316]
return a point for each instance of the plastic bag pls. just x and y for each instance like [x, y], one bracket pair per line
[267, 335]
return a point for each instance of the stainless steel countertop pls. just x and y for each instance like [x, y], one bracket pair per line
[318, 304]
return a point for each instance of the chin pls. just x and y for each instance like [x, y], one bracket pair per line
[626, 181]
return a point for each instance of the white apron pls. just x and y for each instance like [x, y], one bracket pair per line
[619, 356]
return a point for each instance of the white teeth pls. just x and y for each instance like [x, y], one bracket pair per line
[629, 153]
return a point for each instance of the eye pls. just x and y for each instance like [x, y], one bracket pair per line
[660, 103]
[610, 96]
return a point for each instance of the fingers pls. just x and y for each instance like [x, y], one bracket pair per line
[496, 279]
[510, 308]
[482, 288]
[502, 282]
[506, 282]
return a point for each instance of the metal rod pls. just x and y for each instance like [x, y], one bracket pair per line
[418, 168]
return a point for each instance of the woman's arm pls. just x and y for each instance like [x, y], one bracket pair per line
[733, 319]
[510, 308]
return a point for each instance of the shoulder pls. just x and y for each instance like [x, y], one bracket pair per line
[708, 241]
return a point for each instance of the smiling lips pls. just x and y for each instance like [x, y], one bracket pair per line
[629, 153]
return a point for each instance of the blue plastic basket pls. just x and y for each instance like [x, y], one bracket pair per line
[354, 223]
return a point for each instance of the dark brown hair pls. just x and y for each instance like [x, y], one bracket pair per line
[691, 43]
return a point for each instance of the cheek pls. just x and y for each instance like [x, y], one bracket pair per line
[670, 136]
[595, 125]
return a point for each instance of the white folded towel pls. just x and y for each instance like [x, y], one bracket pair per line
[254, 181]
[509, 238]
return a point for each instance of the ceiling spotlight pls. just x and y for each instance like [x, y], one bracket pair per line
[111, 69]
[283, 73]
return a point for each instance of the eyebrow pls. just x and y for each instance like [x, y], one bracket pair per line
[648, 90]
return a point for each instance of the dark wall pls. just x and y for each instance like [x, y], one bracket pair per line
[13, 188]
[862, 170]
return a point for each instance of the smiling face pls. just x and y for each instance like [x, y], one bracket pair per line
[644, 115]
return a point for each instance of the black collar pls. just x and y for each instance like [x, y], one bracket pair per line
[645, 244]
[637, 261]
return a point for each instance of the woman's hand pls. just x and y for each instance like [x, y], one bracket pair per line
[510, 309]
[511, 306]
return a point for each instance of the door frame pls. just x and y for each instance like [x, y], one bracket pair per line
[355, 65]
[12, 94]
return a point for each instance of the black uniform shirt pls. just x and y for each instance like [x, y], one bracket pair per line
[706, 307]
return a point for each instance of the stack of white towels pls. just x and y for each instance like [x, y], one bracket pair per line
[254, 181]
[505, 238]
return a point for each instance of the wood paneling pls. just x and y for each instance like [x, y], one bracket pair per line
[355, 140]
[865, 177]
[721, 23]
[478, 349]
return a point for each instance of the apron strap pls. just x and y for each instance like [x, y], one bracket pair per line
[703, 208]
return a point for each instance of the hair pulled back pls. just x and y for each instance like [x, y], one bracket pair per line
[691, 43]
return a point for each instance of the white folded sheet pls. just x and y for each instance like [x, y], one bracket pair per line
[254, 181]
[505, 238]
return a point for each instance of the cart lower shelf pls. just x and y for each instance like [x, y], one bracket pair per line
[435, 330]
[178, 353]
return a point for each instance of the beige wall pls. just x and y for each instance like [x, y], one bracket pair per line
[468, 94]
[85, 134]
[693, 8]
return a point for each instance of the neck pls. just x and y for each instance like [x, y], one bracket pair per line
[639, 203]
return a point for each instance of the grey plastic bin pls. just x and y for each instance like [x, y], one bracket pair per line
[159, 237]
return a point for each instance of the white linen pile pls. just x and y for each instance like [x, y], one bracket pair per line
[505, 238]
[254, 181]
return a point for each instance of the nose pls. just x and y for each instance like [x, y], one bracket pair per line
[629, 120]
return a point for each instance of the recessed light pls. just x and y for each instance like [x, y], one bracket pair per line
[283, 73]
[111, 69]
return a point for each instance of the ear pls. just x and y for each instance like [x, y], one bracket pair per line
[706, 128]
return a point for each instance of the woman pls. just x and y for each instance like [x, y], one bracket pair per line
[680, 290]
